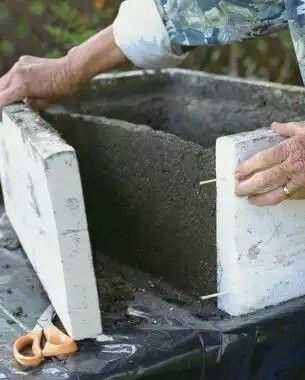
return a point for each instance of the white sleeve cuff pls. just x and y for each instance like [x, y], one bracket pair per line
[141, 35]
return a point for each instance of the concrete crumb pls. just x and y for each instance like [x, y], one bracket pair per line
[118, 285]
[18, 312]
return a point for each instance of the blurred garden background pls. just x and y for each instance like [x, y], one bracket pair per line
[49, 28]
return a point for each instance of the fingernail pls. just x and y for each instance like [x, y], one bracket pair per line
[238, 176]
[238, 195]
[236, 192]
[276, 124]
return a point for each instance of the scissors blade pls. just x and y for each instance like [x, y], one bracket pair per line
[45, 319]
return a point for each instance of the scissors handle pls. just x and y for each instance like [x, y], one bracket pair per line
[32, 339]
[57, 343]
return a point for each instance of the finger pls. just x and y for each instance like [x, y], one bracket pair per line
[31, 59]
[10, 95]
[270, 198]
[299, 194]
[38, 104]
[292, 188]
[262, 160]
[273, 197]
[262, 181]
[289, 129]
[5, 81]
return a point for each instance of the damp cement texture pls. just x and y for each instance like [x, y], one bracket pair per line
[193, 105]
[143, 201]
[141, 177]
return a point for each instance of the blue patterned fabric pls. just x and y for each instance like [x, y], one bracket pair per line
[296, 21]
[214, 22]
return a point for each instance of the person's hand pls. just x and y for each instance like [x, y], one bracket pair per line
[277, 173]
[40, 81]
[43, 81]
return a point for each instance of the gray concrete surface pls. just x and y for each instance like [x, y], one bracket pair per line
[141, 178]
[143, 200]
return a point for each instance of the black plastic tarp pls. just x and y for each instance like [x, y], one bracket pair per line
[156, 341]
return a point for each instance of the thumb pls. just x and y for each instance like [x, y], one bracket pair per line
[289, 129]
[10, 95]
[38, 104]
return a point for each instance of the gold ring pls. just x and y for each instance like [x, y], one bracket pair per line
[286, 191]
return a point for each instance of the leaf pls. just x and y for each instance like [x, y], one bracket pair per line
[36, 7]
[6, 48]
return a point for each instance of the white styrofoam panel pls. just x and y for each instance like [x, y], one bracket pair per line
[44, 201]
[260, 250]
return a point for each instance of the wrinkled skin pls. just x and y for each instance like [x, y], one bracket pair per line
[262, 178]
[40, 81]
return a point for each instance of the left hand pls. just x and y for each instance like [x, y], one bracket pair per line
[40, 81]
[264, 176]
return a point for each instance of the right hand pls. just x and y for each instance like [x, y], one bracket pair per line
[38, 81]
[264, 176]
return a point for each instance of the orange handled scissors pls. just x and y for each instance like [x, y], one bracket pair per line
[57, 343]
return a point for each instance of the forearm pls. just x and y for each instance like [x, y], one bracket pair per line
[97, 55]
[138, 34]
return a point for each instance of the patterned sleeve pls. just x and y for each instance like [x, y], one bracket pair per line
[153, 39]
[296, 21]
[215, 22]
